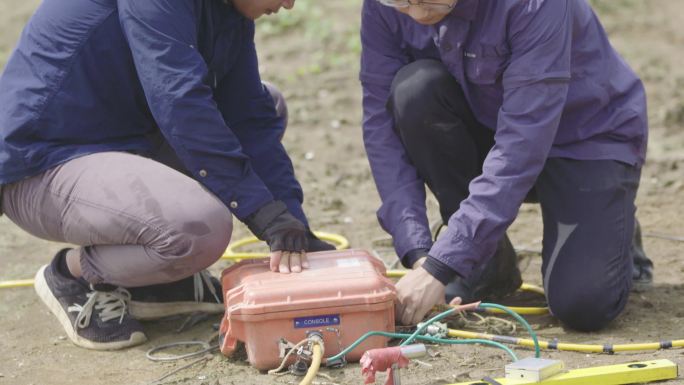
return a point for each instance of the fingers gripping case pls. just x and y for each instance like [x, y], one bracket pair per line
[343, 295]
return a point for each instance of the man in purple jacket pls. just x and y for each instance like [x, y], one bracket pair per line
[136, 130]
[492, 103]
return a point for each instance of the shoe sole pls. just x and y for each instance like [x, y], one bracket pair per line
[146, 311]
[45, 294]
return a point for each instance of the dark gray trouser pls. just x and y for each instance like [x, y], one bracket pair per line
[587, 206]
[138, 221]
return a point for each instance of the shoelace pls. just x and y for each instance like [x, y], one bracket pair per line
[109, 304]
[204, 277]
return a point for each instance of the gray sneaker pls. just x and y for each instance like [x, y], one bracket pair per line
[93, 318]
[200, 293]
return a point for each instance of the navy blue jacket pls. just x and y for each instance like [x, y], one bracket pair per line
[90, 76]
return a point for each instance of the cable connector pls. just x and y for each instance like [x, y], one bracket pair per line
[336, 363]
[315, 336]
[436, 329]
[284, 346]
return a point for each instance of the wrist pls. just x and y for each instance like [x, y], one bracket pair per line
[259, 221]
[419, 263]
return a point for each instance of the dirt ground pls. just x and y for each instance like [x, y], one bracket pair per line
[312, 54]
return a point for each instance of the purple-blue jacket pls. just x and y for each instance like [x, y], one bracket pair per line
[91, 76]
[541, 74]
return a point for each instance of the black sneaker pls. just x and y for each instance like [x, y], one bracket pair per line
[642, 278]
[93, 319]
[200, 293]
[496, 279]
[642, 268]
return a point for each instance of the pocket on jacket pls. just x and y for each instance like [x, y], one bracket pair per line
[485, 65]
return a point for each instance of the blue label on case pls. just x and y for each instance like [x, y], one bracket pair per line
[316, 321]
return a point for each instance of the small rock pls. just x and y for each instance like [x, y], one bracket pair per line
[309, 155]
[323, 93]
[348, 220]
[201, 377]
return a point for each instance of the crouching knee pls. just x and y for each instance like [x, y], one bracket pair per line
[195, 242]
[209, 247]
[587, 310]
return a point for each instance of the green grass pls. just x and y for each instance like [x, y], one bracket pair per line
[306, 16]
[312, 20]
[325, 34]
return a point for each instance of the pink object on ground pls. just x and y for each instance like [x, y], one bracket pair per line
[380, 360]
[467, 307]
[343, 295]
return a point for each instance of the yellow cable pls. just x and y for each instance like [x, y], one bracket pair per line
[17, 283]
[343, 243]
[532, 288]
[234, 255]
[315, 363]
[396, 273]
[583, 348]
[525, 310]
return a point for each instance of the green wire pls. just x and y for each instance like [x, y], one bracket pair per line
[426, 324]
[469, 342]
[417, 334]
[423, 338]
[361, 339]
[537, 351]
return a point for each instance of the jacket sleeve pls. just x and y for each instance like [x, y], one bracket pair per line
[162, 35]
[249, 110]
[402, 191]
[535, 84]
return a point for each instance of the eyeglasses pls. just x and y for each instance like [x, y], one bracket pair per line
[441, 7]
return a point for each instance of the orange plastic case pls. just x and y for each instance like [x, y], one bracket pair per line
[343, 295]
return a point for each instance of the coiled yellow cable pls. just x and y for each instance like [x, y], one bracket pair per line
[232, 254]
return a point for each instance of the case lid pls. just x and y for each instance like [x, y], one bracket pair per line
[335, 278]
